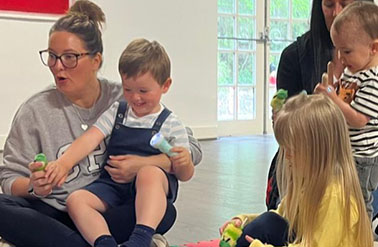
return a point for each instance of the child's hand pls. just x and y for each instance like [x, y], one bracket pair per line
[326, 85]
[256, 242]
[274, 117]
[182, 164]
[182, 157]
[328, 90]
[327, 78]
[56, 173]
[123, 168]
[236, 221]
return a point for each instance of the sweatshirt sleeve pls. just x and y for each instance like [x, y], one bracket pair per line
[20, 147]
[195, 147]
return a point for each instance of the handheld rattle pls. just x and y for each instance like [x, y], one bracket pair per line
[159, 142]
[40, 158]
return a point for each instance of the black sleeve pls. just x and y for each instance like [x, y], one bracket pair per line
[289, 74]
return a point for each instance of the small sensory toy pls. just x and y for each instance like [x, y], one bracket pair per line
[158, 141]
[230, 235]
[278, 100]
[40, 158]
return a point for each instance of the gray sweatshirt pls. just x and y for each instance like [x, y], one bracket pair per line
[48, 123]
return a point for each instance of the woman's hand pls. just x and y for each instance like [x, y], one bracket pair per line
[123, 168]
[236, 221]
[38, 180]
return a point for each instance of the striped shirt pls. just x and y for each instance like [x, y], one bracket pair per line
[365, 100]
[172, 129]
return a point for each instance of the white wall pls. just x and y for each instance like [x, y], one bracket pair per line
[187, 29]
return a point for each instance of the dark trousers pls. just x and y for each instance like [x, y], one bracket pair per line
[272, 194]
[269, 228]
[33, 223]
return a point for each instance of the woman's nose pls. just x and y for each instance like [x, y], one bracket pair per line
[58, 65]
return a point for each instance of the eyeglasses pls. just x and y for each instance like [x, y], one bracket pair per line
[69, 60]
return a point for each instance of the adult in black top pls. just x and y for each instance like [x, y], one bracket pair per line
[302, 64]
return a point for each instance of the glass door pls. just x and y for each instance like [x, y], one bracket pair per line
[240, 47]
[288, 19]
[248, 55]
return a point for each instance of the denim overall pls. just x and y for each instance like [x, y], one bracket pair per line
[129, 140]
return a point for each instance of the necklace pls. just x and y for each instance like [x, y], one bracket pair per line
[83, 125]
[88, 112]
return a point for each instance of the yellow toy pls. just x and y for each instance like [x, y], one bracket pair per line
[278, 99]
[230, 235]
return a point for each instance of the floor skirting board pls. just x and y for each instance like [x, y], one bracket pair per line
[207, 132]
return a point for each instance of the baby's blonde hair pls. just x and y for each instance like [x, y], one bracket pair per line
[313, 136]
[358, 16]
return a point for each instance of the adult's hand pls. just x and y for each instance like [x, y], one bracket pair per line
[38, 180]
[123, 168]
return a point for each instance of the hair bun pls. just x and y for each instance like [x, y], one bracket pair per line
[89, 9]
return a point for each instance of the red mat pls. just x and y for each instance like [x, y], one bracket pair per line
[210, 243]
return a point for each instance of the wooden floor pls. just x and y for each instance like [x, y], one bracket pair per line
[231, 179]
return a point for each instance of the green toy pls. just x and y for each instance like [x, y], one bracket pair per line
[278, 100]
[40, 158]
[230, 235]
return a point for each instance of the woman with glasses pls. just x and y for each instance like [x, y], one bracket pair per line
[33, 213]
